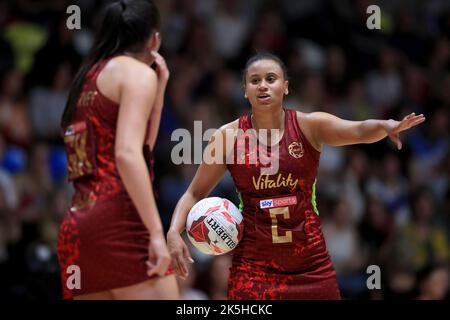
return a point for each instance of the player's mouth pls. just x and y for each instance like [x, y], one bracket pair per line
[263, 97]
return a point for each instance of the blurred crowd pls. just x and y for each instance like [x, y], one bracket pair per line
[378, 206]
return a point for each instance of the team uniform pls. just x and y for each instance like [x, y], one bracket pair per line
[102, 233]
[282, 254]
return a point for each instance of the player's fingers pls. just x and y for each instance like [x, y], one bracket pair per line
[151, 269]
[159, 60]
[163, 265]
[159, 269]
[395, 138]
[411, 122]
[417, 121]
[175, 263]
[183, 268]
[181, 264]
[187, 254]
[409, 116]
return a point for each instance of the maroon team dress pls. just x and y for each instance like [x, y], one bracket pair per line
[102, 233]
[282, 254]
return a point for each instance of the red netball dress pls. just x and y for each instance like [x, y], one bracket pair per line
[102, 234]
[282, 254]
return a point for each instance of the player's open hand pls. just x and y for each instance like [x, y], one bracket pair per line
[179, 253]
[393, 128]
[158, 254]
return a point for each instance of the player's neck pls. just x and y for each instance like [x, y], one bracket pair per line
[141, 56]
[269, 118]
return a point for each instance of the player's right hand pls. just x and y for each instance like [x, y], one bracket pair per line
[161, 68]
[158, 256]
[179, 252]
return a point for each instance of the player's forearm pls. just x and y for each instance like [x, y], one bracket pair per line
[135, 177]
[370, 131]
[182, 209]
[155, 117]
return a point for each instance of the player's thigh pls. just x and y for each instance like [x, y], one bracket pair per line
[103, 295]
[161, 288]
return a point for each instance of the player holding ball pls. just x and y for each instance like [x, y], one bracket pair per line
[282, 254]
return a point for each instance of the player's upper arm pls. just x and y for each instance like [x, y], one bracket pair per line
[328, 129]
[137, 94]
[213, 166]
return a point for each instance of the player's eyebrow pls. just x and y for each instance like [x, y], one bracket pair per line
[270, 73]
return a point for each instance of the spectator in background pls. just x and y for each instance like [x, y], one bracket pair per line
[47, 104]
[429, 146]
[376, 230]
[229, 28]
[347, 251]
[6, 52]
[355, 104]
[391, 187]
[342, 240]
[355, 173]
[433, 283]
[58, 49]
[422, 241]
[385, 84]
[336, 73]
[175, 22]
[14, 120]
[7, 186]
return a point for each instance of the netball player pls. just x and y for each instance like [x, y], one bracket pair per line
[111, 243]
[282, 254]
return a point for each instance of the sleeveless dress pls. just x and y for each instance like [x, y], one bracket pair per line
[102, 238]
[282, 254]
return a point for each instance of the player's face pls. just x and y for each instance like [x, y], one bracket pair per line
[265, 84]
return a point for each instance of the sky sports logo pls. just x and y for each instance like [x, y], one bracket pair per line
[279, 202]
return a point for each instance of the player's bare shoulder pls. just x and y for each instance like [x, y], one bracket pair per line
[229, 131]
[130, 69]
[224, 137]
[233, 125]
[124, 70]
[306, 122]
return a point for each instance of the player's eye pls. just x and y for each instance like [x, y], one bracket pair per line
[254, 81]
[271, 79]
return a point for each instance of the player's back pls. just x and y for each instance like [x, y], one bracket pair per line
[90, 143]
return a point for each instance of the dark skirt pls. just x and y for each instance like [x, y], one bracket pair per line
[107, 243]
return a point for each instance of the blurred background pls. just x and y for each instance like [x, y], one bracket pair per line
[377, 205]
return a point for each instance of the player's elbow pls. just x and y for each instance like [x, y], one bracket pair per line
[125, 156]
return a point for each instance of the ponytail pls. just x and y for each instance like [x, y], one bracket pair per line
[125, 25]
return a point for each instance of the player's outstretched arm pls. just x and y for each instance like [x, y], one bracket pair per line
[331, 130]
[206, 178]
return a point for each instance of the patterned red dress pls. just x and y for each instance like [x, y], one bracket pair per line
[102, 233]
[282, 254]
